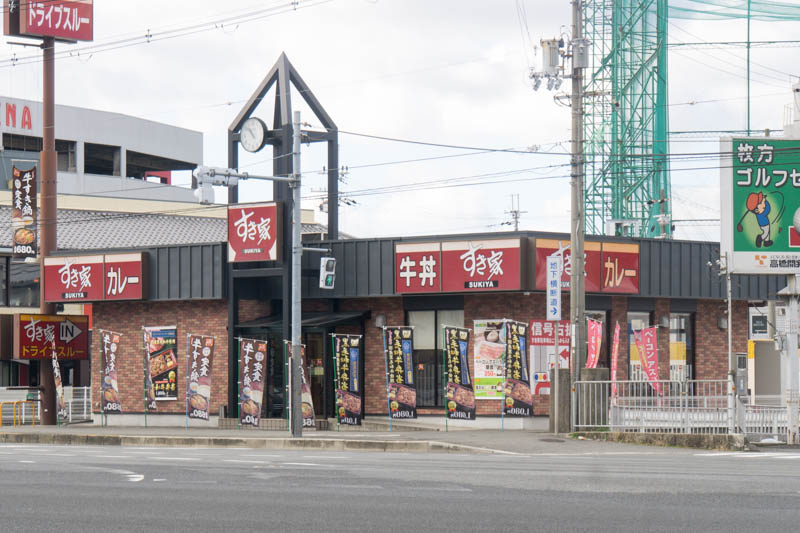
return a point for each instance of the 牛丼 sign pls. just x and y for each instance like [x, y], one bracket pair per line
[94, 277]
[760, 205]
[458, 266]
[70, 332]
[254, 232]
[67, 20]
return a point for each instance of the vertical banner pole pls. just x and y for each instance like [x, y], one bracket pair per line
[556, 372]
[386, 368]
[102, 378]
[336, 382]
[144, 342]
[505, 377]
[239, 383]
[186, 399]
[446, 377]
[286, 372]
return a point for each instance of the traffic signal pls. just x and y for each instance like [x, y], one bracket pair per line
[327, 272]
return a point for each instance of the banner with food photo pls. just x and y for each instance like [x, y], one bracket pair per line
[347, 360]
[252, 356]
[23, 213]
[517, 389]
[460, 397]
[162, 363]
[109, 389]
[201, 357]
[489, 349]
[61, 406]
[400, 368]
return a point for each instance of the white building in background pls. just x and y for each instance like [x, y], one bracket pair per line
[101, 153]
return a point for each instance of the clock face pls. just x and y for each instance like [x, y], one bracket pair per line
[252, 134]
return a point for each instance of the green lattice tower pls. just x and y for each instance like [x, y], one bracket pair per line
[626, 120]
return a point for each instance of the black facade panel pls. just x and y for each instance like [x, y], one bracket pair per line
[174, 273]
[186, 272]
[362, 268]
[598, 303]
[387, 267]
[425, 303]
[374, 259]
[641, 304]
[163, 274]
[197, 271]
[349, 275]
[678, 305]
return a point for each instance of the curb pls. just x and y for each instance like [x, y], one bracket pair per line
[327, 444]
[681, 440]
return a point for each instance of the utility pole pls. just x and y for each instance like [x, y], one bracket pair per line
[297, 252]
[577, 297]
[515, 212]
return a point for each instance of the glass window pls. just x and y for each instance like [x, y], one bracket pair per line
[681, 346]
[24, 281]
[636, 322]
[428, 364]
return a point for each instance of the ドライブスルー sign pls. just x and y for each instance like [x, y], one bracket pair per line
[68, 20]
[760, 205]
[70, 333]
[254, 232]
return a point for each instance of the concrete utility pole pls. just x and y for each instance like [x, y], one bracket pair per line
[577, 297]
[297, 252]
[792, 293]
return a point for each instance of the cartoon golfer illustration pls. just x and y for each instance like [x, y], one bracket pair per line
[758, 204]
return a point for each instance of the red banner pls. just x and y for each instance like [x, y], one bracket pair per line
[609, 267]
[109, 347]
[254, 232]
[70, 332]
[647, 345]
[614, 359]
[70, 20]
[594, 338]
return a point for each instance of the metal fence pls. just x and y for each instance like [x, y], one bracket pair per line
[19, 406]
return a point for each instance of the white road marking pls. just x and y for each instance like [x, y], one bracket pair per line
[444, 489]
[260, 455]
[177, 458]
[157, 479]
[27, 461]
[135, 477]
[59, 454]
[301, 464]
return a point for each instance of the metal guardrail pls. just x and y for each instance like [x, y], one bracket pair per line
[16, 409]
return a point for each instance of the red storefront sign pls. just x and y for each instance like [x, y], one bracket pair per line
[94, 278]
[488, 265]
[418, 267]
[71, 334]
[254, 232]
[69, 20]
[610, 267]
[458, 266]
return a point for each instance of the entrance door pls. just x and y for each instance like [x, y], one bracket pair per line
[314, 366]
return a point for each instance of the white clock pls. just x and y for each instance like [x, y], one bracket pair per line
[253, 134]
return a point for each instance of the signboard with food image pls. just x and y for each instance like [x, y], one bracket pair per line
[459, 393]
[61, 406]
[23, 213]
[201, 356]
[489, 349]
[400, 367]
[517, 390]
[162, 363]
[109, 347]
[347, 358]
[252, 355]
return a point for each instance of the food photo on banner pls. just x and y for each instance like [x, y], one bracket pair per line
[61, 406]
[460, 397]
[517, 389]
[399, 355]
[490, 345]
[347, 362]
[109, 388]
[23, 213]
[162, 364]
[252, 355]
[201, 358]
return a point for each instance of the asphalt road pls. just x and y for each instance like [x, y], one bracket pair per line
[109, 489]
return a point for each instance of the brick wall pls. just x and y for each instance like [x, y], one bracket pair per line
[711, 351]
[208, 317]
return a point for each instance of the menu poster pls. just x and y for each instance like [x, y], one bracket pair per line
[252, 354]
[61, 406]
[517, 390]
[347, 357]
[201, 356]
[489, 349]
[109, 389]
[23, 213]
[162, 364]
[400, 366]
[459, 393]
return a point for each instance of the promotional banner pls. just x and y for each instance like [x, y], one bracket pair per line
[647, 344]
[201, 357]
[347, 357]
[162, 364]
[517, 390]
[252, 354]
[400, 366]
[614, 359]
[23, 213]
[61, 406]
[459, 393]
[109, 344]
[594, 337]
[489, 348]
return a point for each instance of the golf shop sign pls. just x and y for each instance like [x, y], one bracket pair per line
[760, 204]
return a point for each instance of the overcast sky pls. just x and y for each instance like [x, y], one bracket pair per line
[446, 71]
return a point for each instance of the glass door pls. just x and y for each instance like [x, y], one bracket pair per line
[314, 367]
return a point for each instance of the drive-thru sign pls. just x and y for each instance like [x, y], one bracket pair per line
[71, 333]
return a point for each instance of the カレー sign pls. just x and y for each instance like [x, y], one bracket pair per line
[69, 20]
[71, 335]
[760, 206]
[254, 232]
[458, 266]
[23, 213]
[609, 267]
[94, 277]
